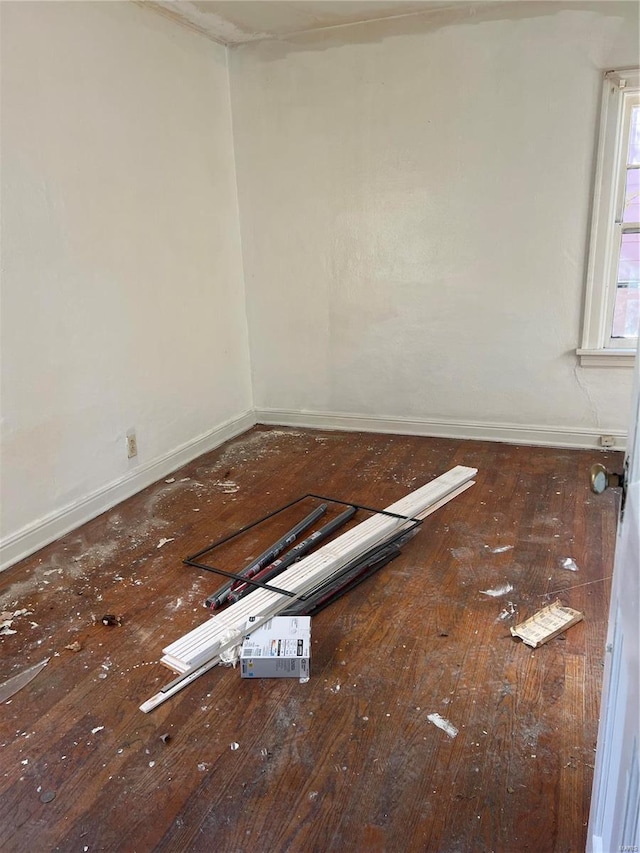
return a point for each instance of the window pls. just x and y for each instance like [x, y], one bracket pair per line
[612, 304]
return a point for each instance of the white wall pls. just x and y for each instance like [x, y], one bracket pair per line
[415, 203]
[122, 290]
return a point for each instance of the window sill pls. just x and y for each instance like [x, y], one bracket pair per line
[606, 357]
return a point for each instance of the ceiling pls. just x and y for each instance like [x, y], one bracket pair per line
[233, 22]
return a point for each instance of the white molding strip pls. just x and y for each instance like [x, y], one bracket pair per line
[45, 530]
[509, 433]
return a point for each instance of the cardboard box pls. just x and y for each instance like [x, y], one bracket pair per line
[281, 648]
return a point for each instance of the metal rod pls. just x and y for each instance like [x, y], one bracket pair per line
[193, 559]
[296, 553]
[236, 577]
[221, 595]
[243, 530]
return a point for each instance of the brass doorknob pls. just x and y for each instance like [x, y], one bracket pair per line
[601, 479]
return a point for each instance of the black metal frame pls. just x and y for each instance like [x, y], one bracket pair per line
[193, 559]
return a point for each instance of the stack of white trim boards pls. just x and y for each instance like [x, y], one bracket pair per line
[202, 648]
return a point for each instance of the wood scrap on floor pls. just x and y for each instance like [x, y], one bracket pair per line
[546, 624]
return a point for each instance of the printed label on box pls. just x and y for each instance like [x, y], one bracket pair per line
[281, 648]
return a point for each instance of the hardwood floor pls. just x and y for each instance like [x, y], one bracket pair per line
[350, 760]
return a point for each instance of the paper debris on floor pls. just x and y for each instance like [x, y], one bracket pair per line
[546, 624]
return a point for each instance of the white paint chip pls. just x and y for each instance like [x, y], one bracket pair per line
[96, 730]
[443, 724]
[164, 541]
[498, 591]
[569, 564]
[234, 745]
[227, 486]
[501, 549]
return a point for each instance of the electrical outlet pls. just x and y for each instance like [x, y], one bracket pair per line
[607, 441]
[132, 445]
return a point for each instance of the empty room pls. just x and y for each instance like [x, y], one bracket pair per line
[320, 457]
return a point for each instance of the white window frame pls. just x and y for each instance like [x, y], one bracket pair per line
[621, 91]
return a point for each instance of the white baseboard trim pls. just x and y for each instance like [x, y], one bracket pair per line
[36, 535]
[45, 530]
[545, 436]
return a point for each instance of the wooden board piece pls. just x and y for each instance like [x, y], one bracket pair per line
[546, 624]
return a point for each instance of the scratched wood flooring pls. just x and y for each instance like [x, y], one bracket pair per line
[348, 761]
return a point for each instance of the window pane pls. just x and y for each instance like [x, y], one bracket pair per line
[632, 197]
[634, 138]
[627, 305]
